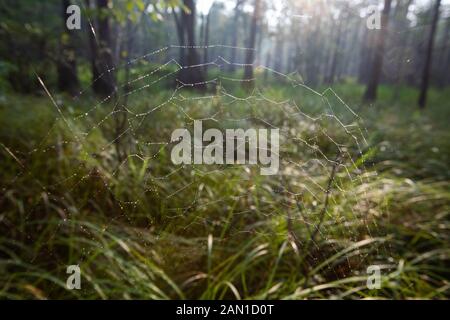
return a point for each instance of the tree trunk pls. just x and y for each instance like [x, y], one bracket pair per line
[234, 34]
[429, 56]
[67, 64]
[192, 73]
[180, 34]
[259, 44]
[279, 50]
[93, 48]
[335, 58]
[371, 91]
[403, 30]
[206, 42]
[106, 83]
[250, 54]
[444, 56]
[266, 71]
[103, 82]
[314, 54]
[202, 31]
[363, 56]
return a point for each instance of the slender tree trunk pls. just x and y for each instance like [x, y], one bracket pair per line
[93, 48]
[279, 50]
[250, 54]
[446, 59]
[314, 54]
[371, 91]
[429, 56]
[260, 37]
[67, 63]
[335, 58]
[235, 33]
[444, 56]
[129, 41]
[402, 30]
[326, 65]
[354, 54]
[192, 72]
[266, 71]
[202, 30]
[104, 82]
[206, 42]
[343, 57]
[365, 55]
[181, 38]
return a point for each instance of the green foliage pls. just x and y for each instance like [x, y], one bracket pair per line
[118, 224]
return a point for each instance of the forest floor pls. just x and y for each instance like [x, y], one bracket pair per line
[144, 228]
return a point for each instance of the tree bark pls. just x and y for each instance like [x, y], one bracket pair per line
[192, 73]
[429, 56]
[106, 84]
[250, 54]
[371, 91]
[206, 42]
[444, 56]
[335, 58]
[103, 80]
[235, 33]
[180, 34]
[279, 49]
[402, 28]
[67, 63]
[93, 48]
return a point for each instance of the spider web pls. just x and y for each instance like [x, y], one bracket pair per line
[320, 190]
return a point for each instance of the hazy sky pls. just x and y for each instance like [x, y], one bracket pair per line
[204, 5]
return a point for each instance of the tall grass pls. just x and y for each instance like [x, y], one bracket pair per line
[138, 232]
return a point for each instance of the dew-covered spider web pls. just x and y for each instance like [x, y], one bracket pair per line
[118, 147]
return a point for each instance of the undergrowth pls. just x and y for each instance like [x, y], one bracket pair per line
[136, 233]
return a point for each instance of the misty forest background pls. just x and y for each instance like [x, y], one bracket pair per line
[86, 177]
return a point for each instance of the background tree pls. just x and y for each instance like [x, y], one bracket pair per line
[402, 37]
[372, 86]
[192, 73]
[100, 42]
[444, 56]
[67, 63]
[235, 32]
[206, 40]
[428, 57]
[337, 47]
[250, 54]
[104, 63]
